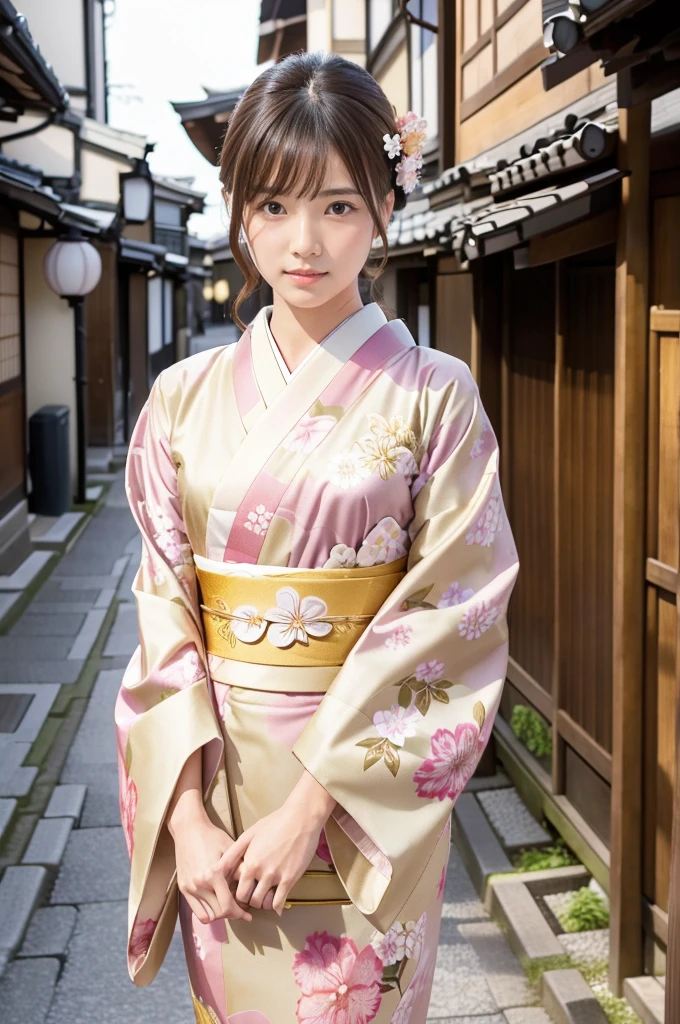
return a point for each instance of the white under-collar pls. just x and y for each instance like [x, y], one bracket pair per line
[367, 312]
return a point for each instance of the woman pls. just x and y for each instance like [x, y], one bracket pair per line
[322, 595]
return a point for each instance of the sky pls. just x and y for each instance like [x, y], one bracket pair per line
[160, 51]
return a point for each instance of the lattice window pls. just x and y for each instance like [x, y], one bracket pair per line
[10, 341]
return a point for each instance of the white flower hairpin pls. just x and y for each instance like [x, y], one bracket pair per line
[407, 144]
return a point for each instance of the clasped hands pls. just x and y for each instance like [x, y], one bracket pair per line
[223, 878]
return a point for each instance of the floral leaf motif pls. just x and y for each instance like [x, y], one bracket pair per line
[479, 714]
[405, 696]
[439, 695]
[385, 987]
[170, 692]
[374, 755]
[417, 600]
[371, 742]
[391, 757]
[178, 600]
[423, 700]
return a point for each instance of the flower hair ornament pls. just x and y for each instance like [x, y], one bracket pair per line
[407, 145]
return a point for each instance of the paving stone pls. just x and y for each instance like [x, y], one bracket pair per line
[479, 783]
[124, 637]
[529, 935]
[481, 852]
[87, 636]
[569, 1000]
[460, 899]
[82, 584]
[42, 623]
[459, 980]
[7, 807]
[61, 530]
[66, 802]
[527, 1015]
[95, 742]
[511, 819]
[48, 842]
[94, 985]
[7, 603]
[94, 869]
[29, 570]
[21, 890]
[26, 990]
[101, 806]
[105, 598]
[507, 981]
[33, 720]
[49, 932]
[40, 671]
[40, 648]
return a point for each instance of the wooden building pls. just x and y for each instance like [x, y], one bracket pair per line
[544, 248]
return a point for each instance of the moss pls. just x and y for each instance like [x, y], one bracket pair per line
[537, 968]
[585, 912]
[531, 730]
[557, 856]
[617, 1011]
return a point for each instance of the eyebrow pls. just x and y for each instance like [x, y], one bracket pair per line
[344, 191]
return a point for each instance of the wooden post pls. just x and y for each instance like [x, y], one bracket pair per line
[630, 441]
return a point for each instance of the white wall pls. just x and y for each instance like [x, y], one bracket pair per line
[101, 181]
[58, 27]
[349, 19]
[50, 344]
[52, 149]
[318, 25]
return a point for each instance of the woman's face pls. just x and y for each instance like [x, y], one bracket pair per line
[312, 250]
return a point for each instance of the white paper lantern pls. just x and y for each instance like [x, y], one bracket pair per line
[221, 291]
[72, 267]
[208, 291]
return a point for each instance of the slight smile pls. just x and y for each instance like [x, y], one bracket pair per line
[305, 276]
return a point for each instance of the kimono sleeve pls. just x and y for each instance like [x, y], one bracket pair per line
[164, 711]
[404, 723]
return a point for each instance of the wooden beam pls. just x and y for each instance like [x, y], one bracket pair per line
[630, 448]
[599, 759]
[662, 575]
[664, 321]
[530, 689]
[448, 95]
[559, 483]
[577, 238]
[655, 921]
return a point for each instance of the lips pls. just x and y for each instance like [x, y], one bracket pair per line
[306, 273]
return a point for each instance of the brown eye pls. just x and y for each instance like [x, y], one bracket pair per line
[275, 212]
[334, 208]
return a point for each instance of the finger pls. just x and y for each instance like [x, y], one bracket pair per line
[209, 899]
[280, 897]
[260, 891]
[244, 889]
[229, 907]
[233, 856]
[199, 909]
[268, 900]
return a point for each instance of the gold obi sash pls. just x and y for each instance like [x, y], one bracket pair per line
[346, 602]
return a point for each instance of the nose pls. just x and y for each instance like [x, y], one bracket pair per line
[305, 241]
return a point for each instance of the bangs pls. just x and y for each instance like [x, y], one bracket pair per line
[292, 157]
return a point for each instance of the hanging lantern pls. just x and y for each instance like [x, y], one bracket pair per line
[136, 191]
[208, 291]
[72, 267]
[221, 291]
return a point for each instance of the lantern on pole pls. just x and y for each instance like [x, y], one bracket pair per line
[72, 268]
[136, 191]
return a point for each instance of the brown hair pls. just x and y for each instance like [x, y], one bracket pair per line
[287, 121]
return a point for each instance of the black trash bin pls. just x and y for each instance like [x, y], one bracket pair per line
[49, 461]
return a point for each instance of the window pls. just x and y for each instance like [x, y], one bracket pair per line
[424, 87]
[380, 16]
[501, 41]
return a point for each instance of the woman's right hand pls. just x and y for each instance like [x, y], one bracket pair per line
[199, 845]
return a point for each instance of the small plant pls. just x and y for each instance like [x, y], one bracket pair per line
[531, 730]
[585, 912]
[557, 856]
[617, 1011]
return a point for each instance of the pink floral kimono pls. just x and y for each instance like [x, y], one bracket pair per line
[295, 492]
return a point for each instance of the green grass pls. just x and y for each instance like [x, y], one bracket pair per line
[585, 912]
[617, 1011]
[557, 856]
[531, 730]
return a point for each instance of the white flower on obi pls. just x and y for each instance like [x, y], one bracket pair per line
[397, 723]
[430, 671]
[487, 526]
[477, 620]
[200, 951]
[249, 626]
[309, 432]
[454, 594]
[392, 946]
[341, 557]
[258, 521]
[346, 470]
[385, 543]
[415, 933]
[294, 620]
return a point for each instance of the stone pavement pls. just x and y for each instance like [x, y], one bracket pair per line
[70, 966]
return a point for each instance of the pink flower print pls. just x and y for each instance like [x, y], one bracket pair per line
[128, 810]
[397, 723]
[339, 984]
[478, 619]
[200, 951]
[323, 850]
[402, 1014]
[140, 940]
[385, 543]
[455, 594]
[259, 520]
[399, 637]
[430, 671]
[487, 526]
[406, 119]
[441, 884]
[392, 946]
[453, 761]
[414, 935]
[309, 432]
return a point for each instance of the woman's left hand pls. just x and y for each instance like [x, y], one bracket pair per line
[276, 851]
